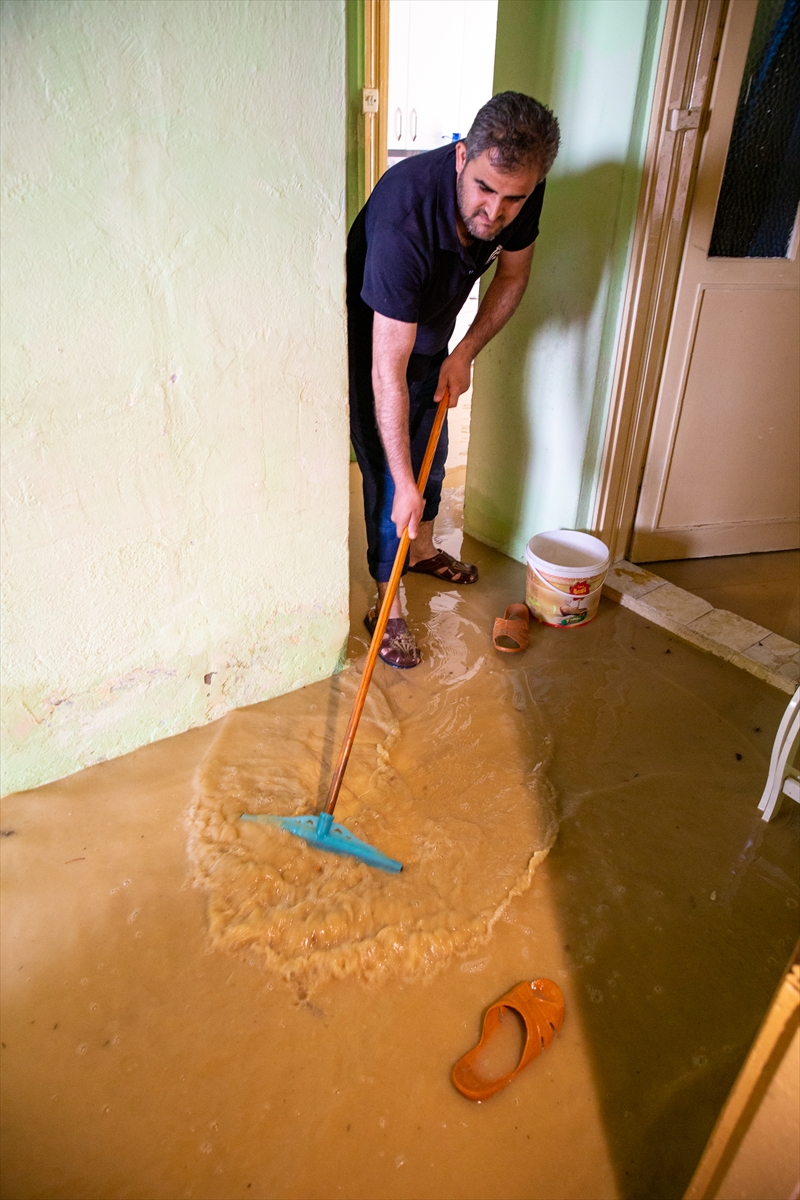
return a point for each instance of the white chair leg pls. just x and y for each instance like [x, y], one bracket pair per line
[783, 752]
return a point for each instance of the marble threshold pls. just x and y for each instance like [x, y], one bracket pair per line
[764, 654]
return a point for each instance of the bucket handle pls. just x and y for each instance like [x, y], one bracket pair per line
[549, 585]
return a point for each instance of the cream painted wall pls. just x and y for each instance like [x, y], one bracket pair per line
[541, 388]
[175, 450]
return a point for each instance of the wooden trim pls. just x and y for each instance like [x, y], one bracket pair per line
[685, 77]
[750, 1088]
[376, 75]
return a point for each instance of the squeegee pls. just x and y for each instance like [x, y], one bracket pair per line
[321, 831]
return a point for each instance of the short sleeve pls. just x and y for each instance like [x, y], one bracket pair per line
[395, 273]
[524, 229]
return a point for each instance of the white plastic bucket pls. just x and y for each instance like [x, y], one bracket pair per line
[565, 577]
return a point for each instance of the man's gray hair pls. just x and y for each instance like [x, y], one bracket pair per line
[517, 131]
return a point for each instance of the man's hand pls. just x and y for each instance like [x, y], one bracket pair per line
[407, 509]
[455, 376]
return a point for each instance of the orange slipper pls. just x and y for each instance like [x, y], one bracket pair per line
[511, 632]
[541, 1006]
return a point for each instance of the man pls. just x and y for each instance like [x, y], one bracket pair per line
[431, 227]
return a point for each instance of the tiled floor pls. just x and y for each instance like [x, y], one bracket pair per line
[764, 588]
[747, 645]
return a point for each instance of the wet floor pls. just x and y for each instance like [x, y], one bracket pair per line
[764, 588]
[139, 1061]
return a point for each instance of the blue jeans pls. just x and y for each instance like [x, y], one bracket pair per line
[378, 485]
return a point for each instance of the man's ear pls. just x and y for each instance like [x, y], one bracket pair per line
[461, 157]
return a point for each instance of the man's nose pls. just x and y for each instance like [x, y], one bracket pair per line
[493, 206]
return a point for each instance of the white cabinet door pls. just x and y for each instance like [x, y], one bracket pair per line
[435, 68]
[397, 135]
[477, 58]
[441, 66]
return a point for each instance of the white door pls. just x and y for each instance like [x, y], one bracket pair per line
[721, 475]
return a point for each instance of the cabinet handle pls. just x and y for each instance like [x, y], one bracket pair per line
[414, 119]
[398, 124]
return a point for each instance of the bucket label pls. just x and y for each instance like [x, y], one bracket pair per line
[554, 600]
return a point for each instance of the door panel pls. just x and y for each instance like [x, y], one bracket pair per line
[721, 475]
[761, 436]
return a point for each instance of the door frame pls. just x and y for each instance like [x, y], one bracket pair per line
[679, 116]
[367, 57]
[376, 75]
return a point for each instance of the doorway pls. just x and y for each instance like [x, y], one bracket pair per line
[720, 479]
[433, 99]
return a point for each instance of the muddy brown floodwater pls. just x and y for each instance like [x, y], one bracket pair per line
[449, 782]
[197, 1007]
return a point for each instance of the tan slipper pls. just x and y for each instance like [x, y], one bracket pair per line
[511, 632]
[541, 1006]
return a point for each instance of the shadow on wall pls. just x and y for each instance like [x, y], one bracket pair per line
[565, 302]
[542, 386]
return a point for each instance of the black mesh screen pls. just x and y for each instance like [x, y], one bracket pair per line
[761, 185]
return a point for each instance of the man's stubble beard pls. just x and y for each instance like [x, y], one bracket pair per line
[472, 228]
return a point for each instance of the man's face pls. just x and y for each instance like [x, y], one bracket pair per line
[488, 199]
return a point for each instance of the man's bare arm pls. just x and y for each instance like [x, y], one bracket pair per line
[392, 343]
[502, 297]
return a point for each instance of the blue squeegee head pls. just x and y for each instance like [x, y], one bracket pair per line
[324, 833]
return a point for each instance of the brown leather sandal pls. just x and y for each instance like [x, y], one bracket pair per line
[540, 1003]
[444, 566]
[512, 632]
[398, 647]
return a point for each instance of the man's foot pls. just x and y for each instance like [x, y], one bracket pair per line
[398, 648]
[444, 566]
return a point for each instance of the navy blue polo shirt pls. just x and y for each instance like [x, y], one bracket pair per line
[406, 261]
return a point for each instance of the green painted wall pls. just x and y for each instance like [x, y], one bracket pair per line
[174, 389]
[542, 387]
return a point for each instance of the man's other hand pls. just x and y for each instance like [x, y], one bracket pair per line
[407, 509]
[455, 376]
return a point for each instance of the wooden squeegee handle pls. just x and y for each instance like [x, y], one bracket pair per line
[383, 615]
